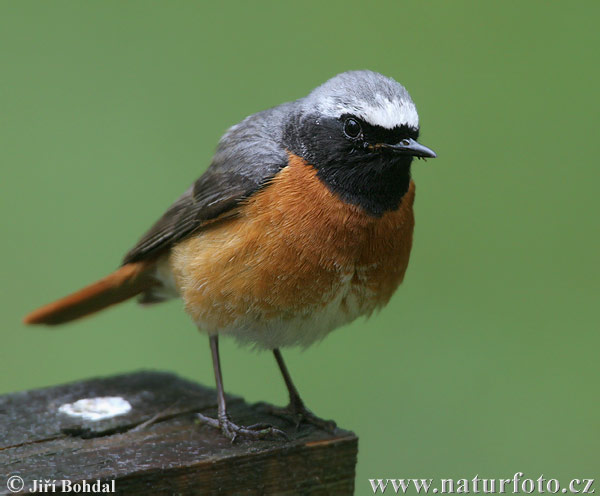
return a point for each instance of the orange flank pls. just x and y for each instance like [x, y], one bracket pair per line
[287, 250]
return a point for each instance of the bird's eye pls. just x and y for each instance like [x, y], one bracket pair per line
[352, 128]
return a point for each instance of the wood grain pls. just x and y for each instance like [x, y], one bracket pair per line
[158, 448]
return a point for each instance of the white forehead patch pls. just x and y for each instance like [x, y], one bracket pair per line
[379, 112]
[390, 114]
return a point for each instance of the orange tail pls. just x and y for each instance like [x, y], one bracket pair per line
[124, 283]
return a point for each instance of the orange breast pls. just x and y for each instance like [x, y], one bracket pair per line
[293, 249]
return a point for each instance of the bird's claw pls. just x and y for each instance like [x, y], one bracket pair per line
[232, 431]
[300, 414]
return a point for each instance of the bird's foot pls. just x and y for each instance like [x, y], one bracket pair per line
[232, 431]
[298, 414]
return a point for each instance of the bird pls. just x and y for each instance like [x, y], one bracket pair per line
[302, 223]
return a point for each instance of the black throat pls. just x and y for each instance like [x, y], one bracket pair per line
[373, 180]
[377, 188]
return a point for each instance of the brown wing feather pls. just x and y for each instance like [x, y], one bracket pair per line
[248, 156]
[204, 201]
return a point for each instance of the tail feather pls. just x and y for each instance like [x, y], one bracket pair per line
[126, 282]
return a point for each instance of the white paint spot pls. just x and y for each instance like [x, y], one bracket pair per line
[97, 408]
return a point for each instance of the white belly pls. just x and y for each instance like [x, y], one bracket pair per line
[301, 329]
[347, 302]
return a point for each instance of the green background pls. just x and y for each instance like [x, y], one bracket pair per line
[485, 361]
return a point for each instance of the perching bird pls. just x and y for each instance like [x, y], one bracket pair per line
[302, 223]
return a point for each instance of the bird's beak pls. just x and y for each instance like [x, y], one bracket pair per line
[409, 146]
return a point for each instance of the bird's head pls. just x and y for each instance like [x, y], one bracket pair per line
[359, 130]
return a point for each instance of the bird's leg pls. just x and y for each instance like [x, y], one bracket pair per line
[223, 422]
[296, 408]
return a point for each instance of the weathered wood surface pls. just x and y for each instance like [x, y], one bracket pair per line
[159, 447]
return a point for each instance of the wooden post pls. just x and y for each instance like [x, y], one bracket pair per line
[158, 447]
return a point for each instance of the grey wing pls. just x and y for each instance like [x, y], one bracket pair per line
[247, 157]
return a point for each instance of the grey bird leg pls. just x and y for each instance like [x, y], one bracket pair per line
[223, 422]
[296, 408]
